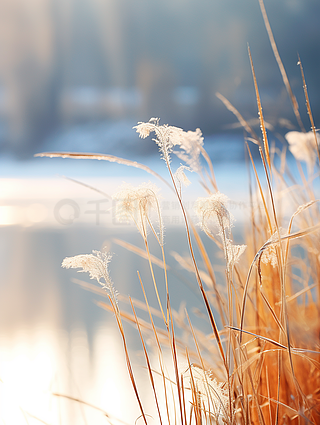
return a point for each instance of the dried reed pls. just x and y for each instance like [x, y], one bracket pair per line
[264, 365]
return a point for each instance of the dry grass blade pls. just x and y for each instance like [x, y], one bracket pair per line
[172, 339]
[280, 64]
[130, 318]
[28, 414]
[99, 291]
[88, 186]
[260, 189]
[145, 325]
[90, 405]
[205, 257]
[285, 405]
[140, 252]
[300, 209]
[129, 367]
[212, 177]
[309, 109]
[101, 157]
[240, 118]
[254, 393]
[263, 128]
[165, 319]
[280, 256]
[195, 402]
[90, 287]
[303, 291]
[228, 416]
[148, 363]
[160, 356]
[202, 290]
[268, 388]
[183, 400]
[277, 344]
[291, 236]
[273, 313]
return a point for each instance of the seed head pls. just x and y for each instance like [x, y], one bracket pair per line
[212, 395]
[167, 137]
[212, 210]
[213, 213]
[136, 204]
[303, 147]
[96, 264]
[181, 177]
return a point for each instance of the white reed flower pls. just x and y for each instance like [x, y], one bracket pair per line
[269, 252]
[181, 177]
[269, 255]
[136, 204]
[303, 147]
[212, 210]
[213, 213]
[213, 396]
[167, 137]
[233, 252]
[96, 264]
[190, 149]
[145, 128]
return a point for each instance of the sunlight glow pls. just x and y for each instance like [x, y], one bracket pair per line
[35, 364]
[9, 215]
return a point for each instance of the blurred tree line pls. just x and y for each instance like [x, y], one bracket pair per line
[71, 61]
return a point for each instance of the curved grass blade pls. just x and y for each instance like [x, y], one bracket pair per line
[101, 157]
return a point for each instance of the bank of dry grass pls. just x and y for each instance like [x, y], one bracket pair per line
[263, 364]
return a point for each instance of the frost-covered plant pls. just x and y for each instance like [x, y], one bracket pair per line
[303, 147]
[269, 251]
[270, 341]
[213, 397]
[213, 213]
[136, 203]
[96, 264]
[181, 178]
[168, 137]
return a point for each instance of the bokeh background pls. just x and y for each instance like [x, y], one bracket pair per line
[77, 75]
[76, 70]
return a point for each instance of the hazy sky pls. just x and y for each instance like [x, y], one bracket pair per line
[66, 62]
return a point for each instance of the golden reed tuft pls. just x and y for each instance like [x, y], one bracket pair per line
[261, 366]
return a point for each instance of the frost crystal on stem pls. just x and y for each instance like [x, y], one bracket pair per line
[268, 251]
[96, 264]
[181, 177]
[167, 137]
[213, 212]
[303, 147]
[136, 204]
[214, 398]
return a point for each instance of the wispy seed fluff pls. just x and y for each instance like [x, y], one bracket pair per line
[181, 178]
[136, 203]
[212, 394]
[268, 251]
[167, 137]
[303, 147]
[213, 213]
[96, 264]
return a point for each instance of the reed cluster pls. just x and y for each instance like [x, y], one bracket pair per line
[263, 365]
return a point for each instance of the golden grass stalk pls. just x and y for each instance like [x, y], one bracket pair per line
[263, 366]
[262, 362]
[309, 108]
[280, 64]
